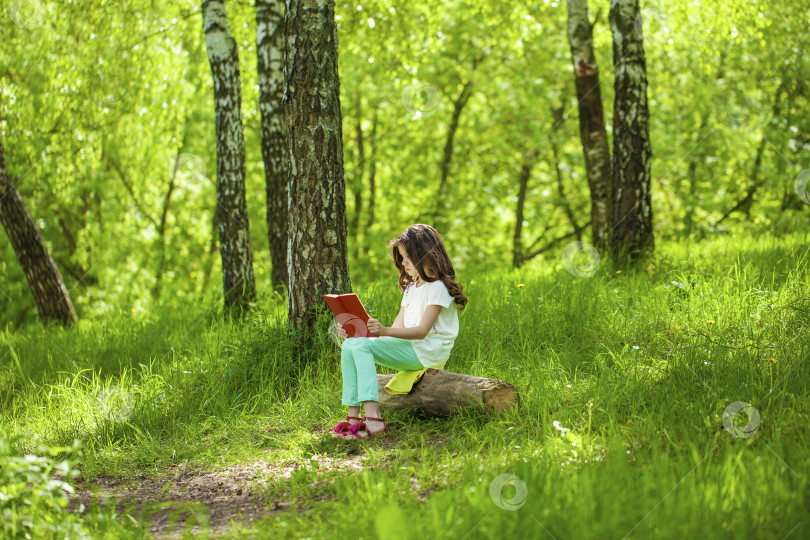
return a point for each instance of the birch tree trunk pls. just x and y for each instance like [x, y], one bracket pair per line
[234, 230]
[317, 256]
[631, 213]
[591, 118]
[44, 279]
[270, 52]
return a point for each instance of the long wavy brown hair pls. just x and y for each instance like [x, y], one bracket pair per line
[425, 248]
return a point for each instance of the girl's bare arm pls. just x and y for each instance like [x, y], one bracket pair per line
[399, 322]
[417, 332]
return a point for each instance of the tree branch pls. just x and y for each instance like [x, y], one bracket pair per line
[117, 168]
[552, 244]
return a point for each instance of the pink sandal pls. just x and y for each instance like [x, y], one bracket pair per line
[343, 427]
[352, 432]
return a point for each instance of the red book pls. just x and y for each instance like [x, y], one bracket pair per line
[350, 313]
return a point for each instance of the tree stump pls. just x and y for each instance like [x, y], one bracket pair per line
[441, 393]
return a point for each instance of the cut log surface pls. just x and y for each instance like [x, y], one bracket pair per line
[442, 393]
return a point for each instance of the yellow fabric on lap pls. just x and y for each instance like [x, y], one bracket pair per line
[402, 383]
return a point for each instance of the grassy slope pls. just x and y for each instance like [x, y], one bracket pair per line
[635, 370]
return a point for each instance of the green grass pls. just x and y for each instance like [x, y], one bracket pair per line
[623, 376]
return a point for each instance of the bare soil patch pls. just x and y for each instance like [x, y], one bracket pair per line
[230, 494]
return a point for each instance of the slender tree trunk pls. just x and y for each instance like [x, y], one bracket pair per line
[521, 256]
[161, 239]
[234, 230]
[631, 229]
[517, 242]
[74, 269]
[692, 195]
[591, 118]
[372, 188]
[317, 251]
[458, 107]
[270, 52]
[354, 226]
[744, 205]
[44, 279]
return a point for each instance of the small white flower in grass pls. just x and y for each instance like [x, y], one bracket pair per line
[559, 428]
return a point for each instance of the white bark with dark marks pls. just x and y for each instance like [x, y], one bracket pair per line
[631, 229]
[317, 257]
[44, 279]
[270, 67]
[592, 131]
[234, 230]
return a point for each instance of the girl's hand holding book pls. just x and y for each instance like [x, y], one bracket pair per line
[375, 327]
[341, 332]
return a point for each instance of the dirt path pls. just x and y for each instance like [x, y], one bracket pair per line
[231, 493]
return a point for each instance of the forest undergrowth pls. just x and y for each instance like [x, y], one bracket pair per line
[666, 401]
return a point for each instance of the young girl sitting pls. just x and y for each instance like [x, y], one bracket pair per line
[422, 334]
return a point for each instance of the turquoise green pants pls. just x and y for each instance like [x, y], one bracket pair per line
[357, 361]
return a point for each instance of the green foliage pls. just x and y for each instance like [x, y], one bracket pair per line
[34, 489]
[624, 378]
[32, 498]
[99, 98]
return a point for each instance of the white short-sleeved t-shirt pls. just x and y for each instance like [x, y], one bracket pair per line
[434, 350]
